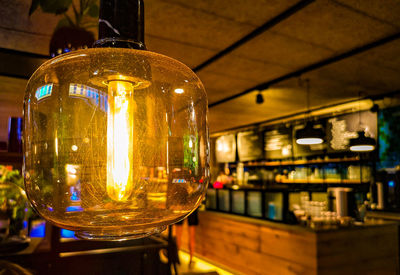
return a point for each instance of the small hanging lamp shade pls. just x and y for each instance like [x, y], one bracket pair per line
[309, 135]
[362, 143]
[259, 98]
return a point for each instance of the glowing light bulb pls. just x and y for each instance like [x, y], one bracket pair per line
[179, 91]
[120, 139]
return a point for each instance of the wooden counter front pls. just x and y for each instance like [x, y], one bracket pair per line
[252, 246]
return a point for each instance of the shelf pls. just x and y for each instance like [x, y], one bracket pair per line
[322, 181]
[300, 162]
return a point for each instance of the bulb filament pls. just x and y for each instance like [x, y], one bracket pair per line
[120, 140]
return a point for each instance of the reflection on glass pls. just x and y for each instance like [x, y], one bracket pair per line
[238, 202]
[94, 96]
[274, 205]
[43, 91]
[254, 204]
[223, 200]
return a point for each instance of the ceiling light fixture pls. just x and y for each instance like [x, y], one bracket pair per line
[361, 143]
[259, 98]
[309, 135]
[143, 152]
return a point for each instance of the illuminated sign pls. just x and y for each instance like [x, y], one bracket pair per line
[95, 96]
[44, 91]
[74, 208]
[178, 181]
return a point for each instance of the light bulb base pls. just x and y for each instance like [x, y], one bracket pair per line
[118, 235]
[122, 20]
[119, 43]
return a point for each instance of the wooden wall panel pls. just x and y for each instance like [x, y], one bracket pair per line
[364, 250]
[252, 246]
[298, 247]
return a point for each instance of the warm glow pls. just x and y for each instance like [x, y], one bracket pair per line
[362, 148]
[119, 139]
[70, 169]
[309, 141]
[179, 91]
[56, 145]
[131, 133]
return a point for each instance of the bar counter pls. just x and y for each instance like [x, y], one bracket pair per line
[254, 246]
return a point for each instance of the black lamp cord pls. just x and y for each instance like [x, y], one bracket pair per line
[360, 94]
[307, 112]
[308, 96]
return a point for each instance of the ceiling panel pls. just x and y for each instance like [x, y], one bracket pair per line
[185, 53]
[252, 70]
[386, 56]
[321, 89]
[327, 24]
[253, 12]
[190, 26]
[219, 86]
[356, 72]
[387, 11]
[282, 49]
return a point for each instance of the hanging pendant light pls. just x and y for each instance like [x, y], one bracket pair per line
[116, 137]
[309, 135]
[361, 143]
[259, 98]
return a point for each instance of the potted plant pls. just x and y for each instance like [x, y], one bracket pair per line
[71, 32]
[14, 207]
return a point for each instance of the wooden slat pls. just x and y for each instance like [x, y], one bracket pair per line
[387, 266]
[298, 247]
[369, 249]
[252, 246]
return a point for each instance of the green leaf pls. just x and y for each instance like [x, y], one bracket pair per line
[34, 6]
[56, 7]
[93, 11]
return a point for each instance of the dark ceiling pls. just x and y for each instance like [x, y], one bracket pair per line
[239, 47]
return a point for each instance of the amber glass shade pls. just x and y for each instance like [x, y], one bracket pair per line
[115, 142]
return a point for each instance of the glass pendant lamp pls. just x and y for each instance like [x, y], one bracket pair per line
[116, 138]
